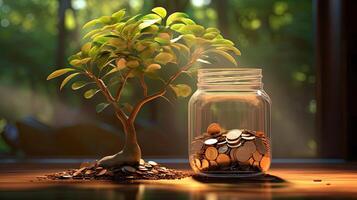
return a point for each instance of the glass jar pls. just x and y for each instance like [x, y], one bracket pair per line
[229, 123]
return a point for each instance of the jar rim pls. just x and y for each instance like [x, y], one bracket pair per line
[228, 78]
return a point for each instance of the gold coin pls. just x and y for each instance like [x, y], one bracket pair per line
[198, 163]
[256, 163]
[257, 156]
[260, 145]
[242, 154]
[213, 163]
[265, 163]
[211, 153]
[223, 159]
[205, 164]
[251, 161]
[259, 134]
[213, 128]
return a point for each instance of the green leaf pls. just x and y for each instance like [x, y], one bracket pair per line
[119, 15]
[174, 16]
[90, 33]
[151, 16]
[147, 23]
[210, 30]
[91, 23]
[59, 72]
[233, 49]
[79, 62]
[110, 72]
[223, 42]
[177, 27]
[86, 47]
[68, 78]
[79, 84]
[100, 107]
[163, 58]
[223, 54]
[105, 19]
[181, 90]
[90, 93]
[197, 30]
[188, 21]
[184, 50]
[162, 41]
[160, 11]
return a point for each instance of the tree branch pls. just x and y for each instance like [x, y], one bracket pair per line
[143, 85]
[120, 89]
[103, 88]
[163, 90]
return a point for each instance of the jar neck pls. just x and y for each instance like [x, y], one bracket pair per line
[230, 79]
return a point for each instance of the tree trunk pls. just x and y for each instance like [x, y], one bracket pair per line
[131, 153]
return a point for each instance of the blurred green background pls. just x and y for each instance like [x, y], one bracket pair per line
[36, 37]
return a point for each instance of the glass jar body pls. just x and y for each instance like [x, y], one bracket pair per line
[229, 131]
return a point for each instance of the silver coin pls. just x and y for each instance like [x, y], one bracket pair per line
[234, 134]
[153, 163]
[234, 145]
[223, 149]
[246, 134]
[249, 138]
[222, 142]
[211, 141]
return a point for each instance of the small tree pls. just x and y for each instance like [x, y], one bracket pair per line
[140, 48]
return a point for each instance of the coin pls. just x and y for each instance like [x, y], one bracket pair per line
[213, 163]
[211, 141]
[198, 163]
[242, 153]
[233, 135]
[257, 156]
[129, 169]
[142, 168]
[211, 153]
[223, 149]
[142, 162]
[153, 163]
[223, 159]
[232, 155]
[260, 145]
[249, 137]
[236, 145]
[102, 172]
[250, 146]
[213, 128]
[205, 164]
[251, 161]
[222, 142]
[265, 163]
[259, 133]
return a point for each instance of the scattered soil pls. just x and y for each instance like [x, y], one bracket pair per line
[143, 171]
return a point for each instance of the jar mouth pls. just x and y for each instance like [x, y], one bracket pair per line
[230, 78]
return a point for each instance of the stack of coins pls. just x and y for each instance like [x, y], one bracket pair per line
[238, 150]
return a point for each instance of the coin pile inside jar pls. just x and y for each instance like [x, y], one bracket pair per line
[237, 150]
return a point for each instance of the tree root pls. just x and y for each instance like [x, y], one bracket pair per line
[128, 156]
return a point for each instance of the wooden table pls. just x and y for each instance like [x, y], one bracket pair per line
[295, 181]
